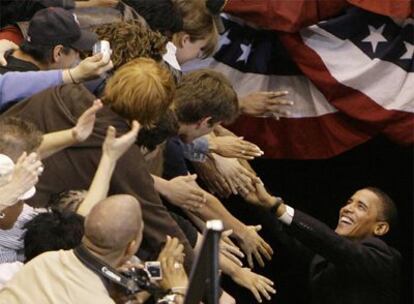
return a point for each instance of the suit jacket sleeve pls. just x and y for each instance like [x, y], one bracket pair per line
[365, 257]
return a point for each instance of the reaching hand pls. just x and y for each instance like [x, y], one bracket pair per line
[213, 180]
[24, 176]
[257, 284]
[233, 147]
[113, 147]
[6, 45]
[253, 245]
[259, 197]
[84, 125]
[236, 176]
[263, 103]
[184, 193]
[172, 248]
[26, 172]
[229, 249]
[173, 275]
[91, 67]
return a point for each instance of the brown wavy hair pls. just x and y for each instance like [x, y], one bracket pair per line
[130, 40]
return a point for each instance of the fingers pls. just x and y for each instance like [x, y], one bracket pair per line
[132, 134]
[256, 294]
[233, 250]
[275, 94]
[257, 227]
[135, 126]
[233, 185]
[258, 258]
[250, 260]
[226, 233]
[266, 250]
[3, 61]
[232, 257]
[96, 106]
[263, 291]
[267, 284]
[21, 158]
[190, 177]
[95, 58]
[110, 133]
[222, 187]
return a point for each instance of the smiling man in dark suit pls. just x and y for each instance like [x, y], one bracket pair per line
[351, 264]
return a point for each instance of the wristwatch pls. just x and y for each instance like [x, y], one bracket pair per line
[279, 201]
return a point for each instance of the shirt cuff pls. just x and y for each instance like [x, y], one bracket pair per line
[287, 217]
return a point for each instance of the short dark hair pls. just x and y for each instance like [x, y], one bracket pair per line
[18, 136]
[41, 53]
[205, 93]
[165, 128]
[161, 15]
[389, 211]
[51, 231]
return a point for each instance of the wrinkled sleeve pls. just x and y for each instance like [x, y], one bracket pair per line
[11, 88]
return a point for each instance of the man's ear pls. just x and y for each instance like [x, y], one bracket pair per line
[381, 228]
[57, 52]
[205, 122]
[180, 38]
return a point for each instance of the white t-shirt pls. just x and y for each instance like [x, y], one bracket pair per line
[7, 271]
[55, 277]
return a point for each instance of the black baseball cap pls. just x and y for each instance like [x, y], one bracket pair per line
[55, 25]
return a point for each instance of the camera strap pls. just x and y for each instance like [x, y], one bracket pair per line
[105, 271]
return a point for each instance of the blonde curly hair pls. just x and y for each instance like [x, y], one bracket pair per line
[130, 40]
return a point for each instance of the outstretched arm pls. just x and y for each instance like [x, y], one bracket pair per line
[57, 141]
[248, 238]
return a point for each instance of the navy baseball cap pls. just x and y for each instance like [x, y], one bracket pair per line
[55, 25]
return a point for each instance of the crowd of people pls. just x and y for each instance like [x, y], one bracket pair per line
[112, 159]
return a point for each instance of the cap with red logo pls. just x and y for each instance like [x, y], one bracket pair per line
[54, 25]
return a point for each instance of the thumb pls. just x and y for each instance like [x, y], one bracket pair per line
[135, 126]
[3, 61]
[192, 177]
[257, 227]
[110, 133]
[227, 232]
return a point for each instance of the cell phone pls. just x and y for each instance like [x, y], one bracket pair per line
[154, 270]
[103, 47]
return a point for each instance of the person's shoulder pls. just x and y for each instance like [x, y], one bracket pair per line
[381, 247]
[17, 65]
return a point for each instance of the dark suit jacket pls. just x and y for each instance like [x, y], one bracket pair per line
[73, 168]
[344, 271]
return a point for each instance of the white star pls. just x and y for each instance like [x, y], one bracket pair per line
[375, 36]
[224, 40]
[246, 49]
[410, 51]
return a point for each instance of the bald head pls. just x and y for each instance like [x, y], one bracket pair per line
[114, 222]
